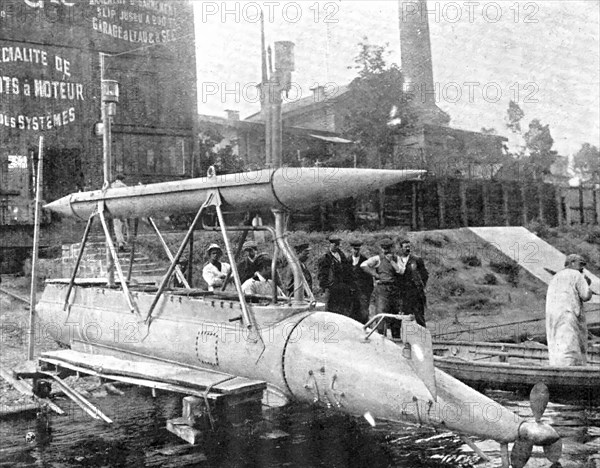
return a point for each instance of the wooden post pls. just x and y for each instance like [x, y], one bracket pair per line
[441, 203]
[420, 205]
[464, 213]
[414, 207]
[505, 205]
[381, 193]
[559, 206]
[541, 214]
[568, 212]
[36, 243]
[525, 205]
[487, 212]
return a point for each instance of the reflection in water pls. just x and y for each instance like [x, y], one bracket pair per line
[295, 436]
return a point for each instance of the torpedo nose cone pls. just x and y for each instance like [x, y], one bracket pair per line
[303, 187]
[61, 206]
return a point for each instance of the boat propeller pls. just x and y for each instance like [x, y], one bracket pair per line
[536, 432]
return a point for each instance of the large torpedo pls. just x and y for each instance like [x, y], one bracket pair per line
[288, 188]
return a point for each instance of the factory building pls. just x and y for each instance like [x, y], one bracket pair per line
[50, 85]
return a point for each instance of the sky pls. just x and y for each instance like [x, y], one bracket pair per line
[544, 55]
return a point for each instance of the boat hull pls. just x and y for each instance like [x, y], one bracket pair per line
[515, 367]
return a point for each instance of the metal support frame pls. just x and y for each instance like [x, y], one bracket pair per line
[380, 318]
[166, 278]
[165, 247]
[115, 258]
[248, 322]
[133, 244]
[238, 250]
[86, 234]
[301, 286]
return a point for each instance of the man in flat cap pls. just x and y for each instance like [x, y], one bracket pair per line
[335, 278]
[247, 266]
[566, 327]
[363, 282]
[386, 269]
[215, 271]
[412, 283]
[302, 249]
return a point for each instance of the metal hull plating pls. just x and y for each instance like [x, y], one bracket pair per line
[312, 356]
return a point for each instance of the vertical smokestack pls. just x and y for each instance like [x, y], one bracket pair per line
[415, 50]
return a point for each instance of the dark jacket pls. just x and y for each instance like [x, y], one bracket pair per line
[246, 269]
[287, 278]
[333, 272]
[414, 279]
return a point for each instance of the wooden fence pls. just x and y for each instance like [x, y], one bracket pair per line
[446, 203]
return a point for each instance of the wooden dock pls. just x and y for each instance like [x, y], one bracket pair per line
[154, 374]
[207, 392]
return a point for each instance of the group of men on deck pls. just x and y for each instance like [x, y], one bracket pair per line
[348, 280]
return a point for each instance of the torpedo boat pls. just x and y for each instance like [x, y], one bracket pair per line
[300, 350]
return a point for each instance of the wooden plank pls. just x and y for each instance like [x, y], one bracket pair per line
[11, 410]
[14, 295]
[166, 373]
[27, 390]
[19, 385]
[80, 400]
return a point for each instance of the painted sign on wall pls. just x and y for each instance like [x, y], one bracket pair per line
[37, 88]
[136, 21]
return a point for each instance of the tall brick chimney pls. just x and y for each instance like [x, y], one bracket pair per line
[415, 49]
[416, 61]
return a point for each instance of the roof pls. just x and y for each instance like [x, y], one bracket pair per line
[450, 130]
[324, 135]
[303, 104]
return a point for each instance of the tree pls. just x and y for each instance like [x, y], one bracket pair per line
[376, 110]
[587, 162]
[212, 154]
[538, 142]
[514, 116]
[535, 151]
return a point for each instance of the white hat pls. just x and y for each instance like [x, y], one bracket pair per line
[214, 247]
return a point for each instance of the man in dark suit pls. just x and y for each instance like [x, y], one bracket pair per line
[247, 267]
[363, 282]
[335, 278]
[412, 283]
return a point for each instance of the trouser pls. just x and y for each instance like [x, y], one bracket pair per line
[362, 301]
[340, 299]
[118, 228]
[413, 303]
[388, 302]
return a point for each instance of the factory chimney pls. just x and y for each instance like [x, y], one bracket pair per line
[415, 56]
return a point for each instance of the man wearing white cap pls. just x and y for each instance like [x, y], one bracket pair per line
[566, 327]
[215, 272]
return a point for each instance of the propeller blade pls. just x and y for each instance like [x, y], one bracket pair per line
[554, 452]
[520, 453]
[538, 400]
[370, 419]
